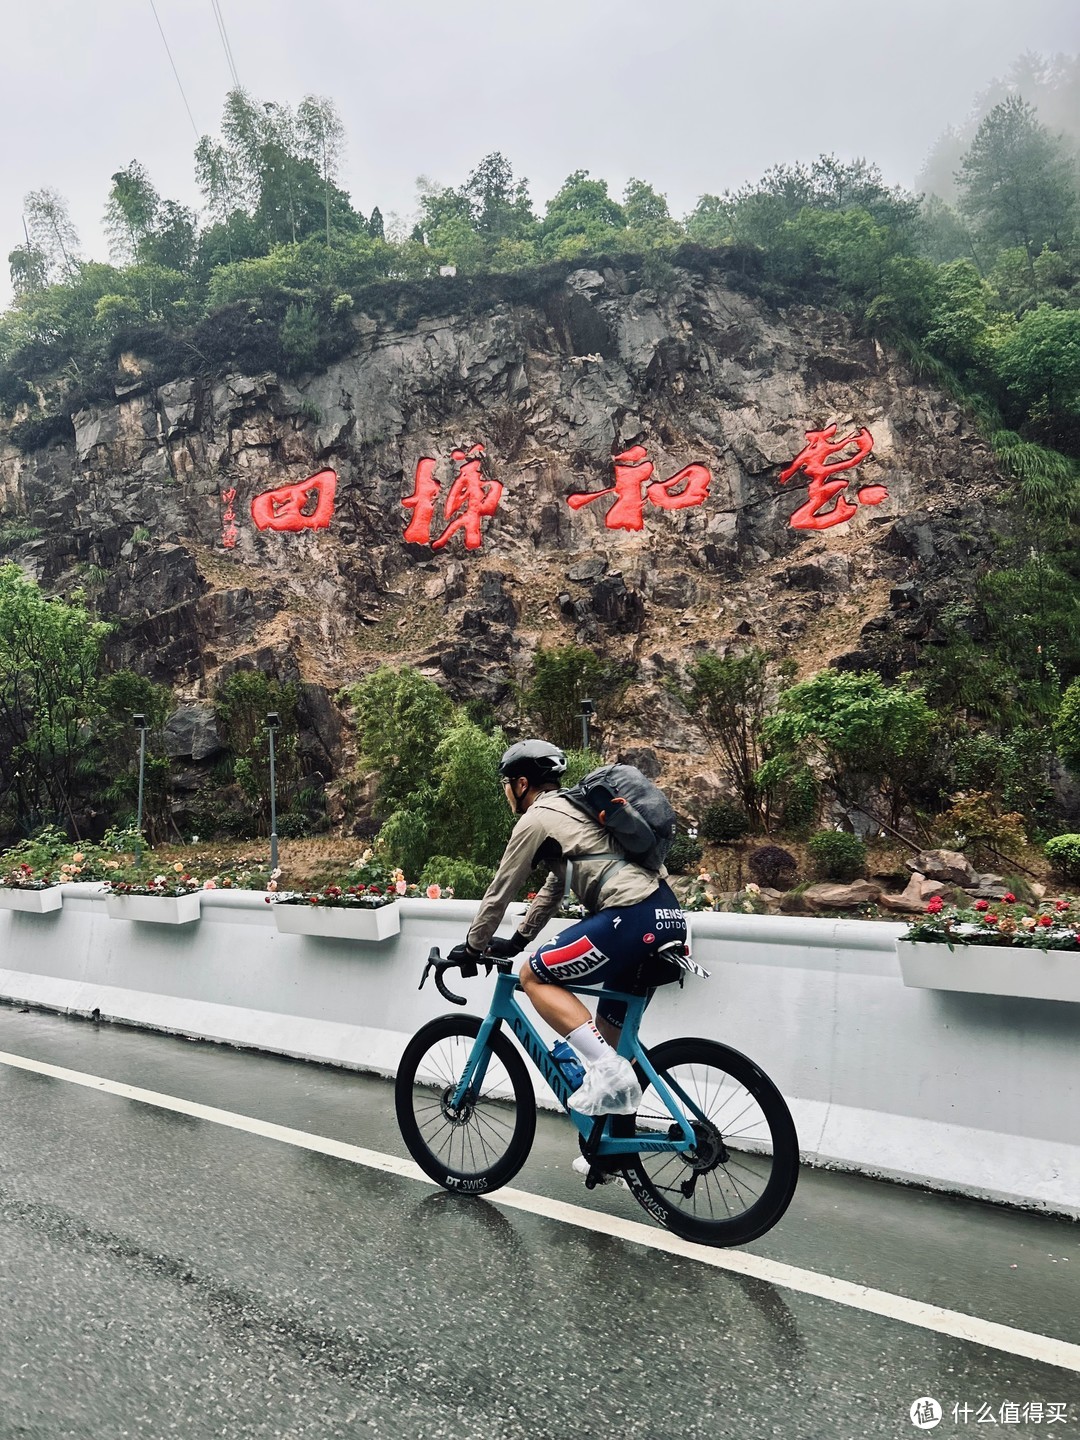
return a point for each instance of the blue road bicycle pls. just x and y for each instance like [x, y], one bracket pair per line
[712, 1153]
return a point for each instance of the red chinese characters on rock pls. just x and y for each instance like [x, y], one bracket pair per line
[471, 499]
[308, 505]
[814, 459]
[633, 469]
[229, 533]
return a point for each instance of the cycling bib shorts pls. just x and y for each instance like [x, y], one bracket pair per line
[616, 949]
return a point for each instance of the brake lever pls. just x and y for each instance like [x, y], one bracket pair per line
[438, 964]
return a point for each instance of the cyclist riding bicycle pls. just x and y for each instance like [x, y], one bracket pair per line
[632, 913]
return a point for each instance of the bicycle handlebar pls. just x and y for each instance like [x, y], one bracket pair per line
[436, 963]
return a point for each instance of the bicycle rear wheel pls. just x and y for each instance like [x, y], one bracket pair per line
[739, 1178]
[482, 1143]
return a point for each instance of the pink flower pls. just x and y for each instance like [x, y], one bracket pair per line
[935, 905]
[982, 904]
[434, 891]
[209, 884]
[1009, 898]
[400, 886]
[1061, 904]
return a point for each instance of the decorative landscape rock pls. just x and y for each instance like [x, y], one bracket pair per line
[948, 865]
[842, 897]
[191, 733]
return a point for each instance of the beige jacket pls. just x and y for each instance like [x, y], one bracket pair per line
[554, 831]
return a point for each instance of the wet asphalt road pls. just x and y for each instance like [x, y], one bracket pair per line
[161, 1275]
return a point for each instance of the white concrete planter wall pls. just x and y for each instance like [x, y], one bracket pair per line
[978, 1093]
[35, 902]
[992, 970]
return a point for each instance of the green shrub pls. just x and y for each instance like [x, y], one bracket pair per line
[836, 855]
[685, 853]
[722, 821]
[772, 866]
[1063, 852]
[467, 881]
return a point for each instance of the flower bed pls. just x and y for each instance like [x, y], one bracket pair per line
[171, 899]
[25, 892]
[995, 948]
[338, 912]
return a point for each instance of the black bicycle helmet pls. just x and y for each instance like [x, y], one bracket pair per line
[539, 761]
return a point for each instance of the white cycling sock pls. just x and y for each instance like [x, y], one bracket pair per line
[588, 1042]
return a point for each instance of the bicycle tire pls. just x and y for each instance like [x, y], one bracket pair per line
[740, 1179]
[489, 1140]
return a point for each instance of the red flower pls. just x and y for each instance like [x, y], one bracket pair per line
[1061, 904]
[1009, 898]
[991, 919]
[374, 890]
[934, 905]
[1044, 920]
[982, 904]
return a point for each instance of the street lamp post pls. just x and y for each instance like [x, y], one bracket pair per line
[273, 720]
[587, 709]
[139, 721]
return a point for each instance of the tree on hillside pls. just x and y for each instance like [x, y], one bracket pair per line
[861, 731]
[561, 679]
[1018, 184]
[1039, 362]
[647, 214]
[52, 232]
[581, 216]
[725, 696]
[50, 659]
[241, 705]
[28, 268]
[122, 695]
[499, 205]
[400, 719]
[130, 212]
[275, 165]
[322, 140]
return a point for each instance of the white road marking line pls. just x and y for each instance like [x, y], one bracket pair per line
[1024, 1343]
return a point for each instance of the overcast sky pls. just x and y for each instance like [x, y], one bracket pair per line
[693, 96]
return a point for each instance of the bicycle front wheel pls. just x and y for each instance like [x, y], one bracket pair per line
[481, 1143]
[738, 1179]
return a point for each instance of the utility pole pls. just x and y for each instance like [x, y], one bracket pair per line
[273, 720]
[139, 721]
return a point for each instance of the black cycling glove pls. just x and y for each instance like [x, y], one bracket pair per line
[465, 956]
[505, 948]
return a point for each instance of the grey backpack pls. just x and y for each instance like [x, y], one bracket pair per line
[631, 809]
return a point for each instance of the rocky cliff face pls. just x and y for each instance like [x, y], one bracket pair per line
[698, 372]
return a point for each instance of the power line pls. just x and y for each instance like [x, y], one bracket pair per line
[176, 72]
[220, 18]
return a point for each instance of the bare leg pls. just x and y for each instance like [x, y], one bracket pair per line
[562, 1010]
